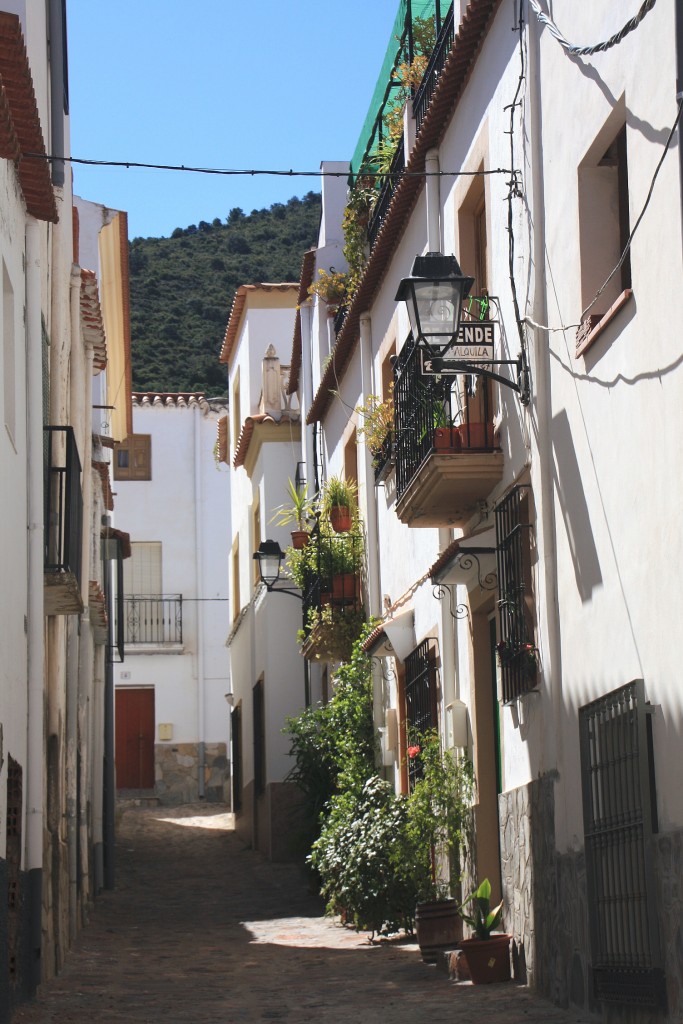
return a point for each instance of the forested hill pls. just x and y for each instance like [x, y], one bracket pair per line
[182, 287]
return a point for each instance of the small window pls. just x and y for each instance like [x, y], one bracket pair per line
[604, 229]
[351, 458]
[133, 458]
[516, 650]
[236, 605]
[256, 521]
[9, 354]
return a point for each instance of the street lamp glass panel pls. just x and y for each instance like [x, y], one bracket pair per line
[437, 309]
[269, 557]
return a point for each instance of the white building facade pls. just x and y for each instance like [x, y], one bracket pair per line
[172, 720]
[268, 677]
[526, 575]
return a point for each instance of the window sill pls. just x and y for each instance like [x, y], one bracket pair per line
[587, 335]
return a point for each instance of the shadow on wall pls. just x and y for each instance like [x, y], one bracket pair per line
[572, 501]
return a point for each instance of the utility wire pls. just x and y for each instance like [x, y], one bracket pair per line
[587, 51]
[254, 172]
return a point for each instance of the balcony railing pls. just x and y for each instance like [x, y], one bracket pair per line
[433, 415]
[441, 50]
[381, 207]
[63, 528]
[333, 596]
[155, 620]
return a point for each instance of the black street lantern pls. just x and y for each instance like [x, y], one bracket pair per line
[434, 294]
[270, 557]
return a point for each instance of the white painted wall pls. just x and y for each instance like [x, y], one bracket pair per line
[164, 509]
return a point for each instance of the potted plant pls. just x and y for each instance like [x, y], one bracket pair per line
[488, 952]
[439, 823]
[331, 287]
[298, 511]
[340, 503]
[377, 430]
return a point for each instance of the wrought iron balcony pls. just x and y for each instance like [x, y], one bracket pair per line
[154, 620]
[381, 207]
[447, 461]
[63, 527]
[442, 48]
[333, 596]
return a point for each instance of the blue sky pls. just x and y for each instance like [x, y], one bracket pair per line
[217, 83]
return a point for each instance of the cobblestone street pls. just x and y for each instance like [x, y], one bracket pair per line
[200, 929]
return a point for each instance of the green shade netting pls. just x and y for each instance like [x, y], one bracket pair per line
[396, 52]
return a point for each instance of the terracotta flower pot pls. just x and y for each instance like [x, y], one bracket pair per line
[345, 588]
[488, 959]
[340, 519]
[300, 539]
[447, 440]
[476, 435]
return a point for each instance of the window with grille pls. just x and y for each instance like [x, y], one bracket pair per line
[420, 688]
[515, 649]
[620, 817]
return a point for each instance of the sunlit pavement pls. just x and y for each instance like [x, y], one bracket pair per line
[199, 929]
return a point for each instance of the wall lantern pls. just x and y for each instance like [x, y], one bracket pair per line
[433, 294]
[270, 557]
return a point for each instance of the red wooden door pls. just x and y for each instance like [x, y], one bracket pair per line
[134, 739]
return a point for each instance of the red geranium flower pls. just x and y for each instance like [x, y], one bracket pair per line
[413, 751]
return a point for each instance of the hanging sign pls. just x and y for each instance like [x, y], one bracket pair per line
[474, 343]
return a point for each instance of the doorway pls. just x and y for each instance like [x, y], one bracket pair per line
[135, 738]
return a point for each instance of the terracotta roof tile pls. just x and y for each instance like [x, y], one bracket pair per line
[466, 45]
[238, 304]
[102, 468]
[247, 432]
[91, 319]
[307, 268]
[21, 136]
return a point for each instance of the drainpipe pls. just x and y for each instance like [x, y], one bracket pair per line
[35, 631]
[198, 555]
[543, 404]
[371, 524]
[77, 407]
[448, 633]
[679, 90]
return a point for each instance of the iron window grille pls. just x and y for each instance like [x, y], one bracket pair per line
[517, 655]
[620, 818]
[154, 619]
[420, 668]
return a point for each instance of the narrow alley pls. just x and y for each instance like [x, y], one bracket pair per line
[200, 929]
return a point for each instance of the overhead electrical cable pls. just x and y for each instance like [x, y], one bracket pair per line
[254, 171]
[587, 51]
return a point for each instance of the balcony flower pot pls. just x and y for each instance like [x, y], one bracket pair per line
[438, 927]
[476, 435]
[488, 959]
[339, 503]
[447, 440]
[345, 588]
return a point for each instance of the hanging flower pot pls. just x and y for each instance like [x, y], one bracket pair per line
[300, 539]
[340, 518]
[345, 588]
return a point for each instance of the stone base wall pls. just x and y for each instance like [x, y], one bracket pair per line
[176, 768]
[546, 908]
[276, 829]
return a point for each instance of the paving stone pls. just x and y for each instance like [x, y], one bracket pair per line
[200, 930]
